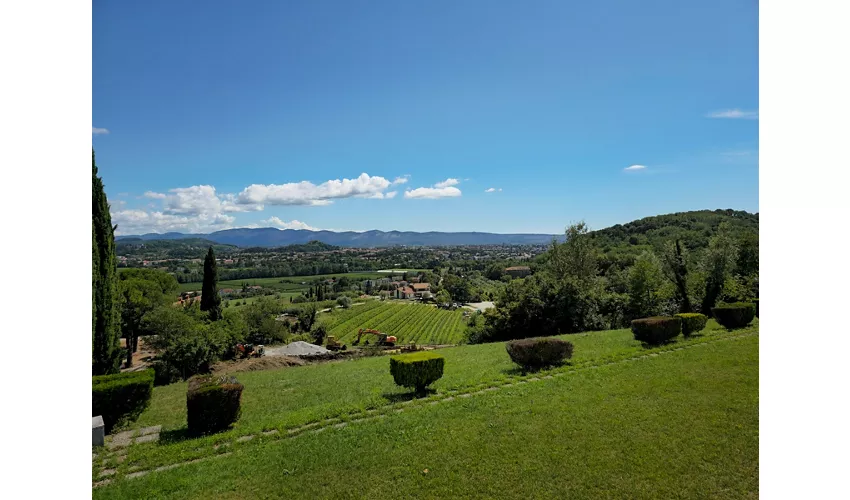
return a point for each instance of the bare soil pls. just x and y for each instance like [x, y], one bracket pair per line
[256, 364]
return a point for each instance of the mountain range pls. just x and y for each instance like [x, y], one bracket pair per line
[272, 237]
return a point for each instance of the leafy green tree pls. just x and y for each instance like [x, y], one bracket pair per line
[458, 287]
[676, 270]
[344, 301]
[140, 297]
[306, 317]
[210, 300]
[443, 297]
[748, 255]
[106, 320]
[576, 257]
[718, 263]
[645, 281]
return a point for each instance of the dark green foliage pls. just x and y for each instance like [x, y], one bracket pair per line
[693, 229]
[756, 302]
[676, 270]
[188, 344]
[142, 291]
[106, 321]
[319, 333]
[692, 322]
[656, 330]
[210, 300]
[417, 370]
[736, 315]
[747, 263]
[535, 353]
[121, 397]
[213, 403]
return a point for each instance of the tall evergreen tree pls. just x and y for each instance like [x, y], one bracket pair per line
[106, 321]
[210, 300]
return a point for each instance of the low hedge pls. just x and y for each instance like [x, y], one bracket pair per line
[213, 403]
[657, 329]
[122, 397]
[537, 352]
[417, 370]
[736, 315]
[692, 322]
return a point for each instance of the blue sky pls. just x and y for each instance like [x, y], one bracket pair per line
[389, 115]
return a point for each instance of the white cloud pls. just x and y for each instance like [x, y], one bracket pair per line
[433, 193]
[443, 189]
[446, 183]
[293, 224]
[391, 194]
[99, 131]
[634, 168]
[158, 196]
[140, 221]
[402, 180]
[493, 190]
[734, 114]
[307, 193]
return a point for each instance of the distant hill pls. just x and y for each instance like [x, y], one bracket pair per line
[693, 228]
[186, 247]
[271, 237]
[309, 247]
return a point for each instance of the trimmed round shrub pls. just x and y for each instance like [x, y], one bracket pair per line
[121, 397]
[657, 329]
[537, 352]
[213, 403]
[692, 322]
[736, 315]
[417, 370]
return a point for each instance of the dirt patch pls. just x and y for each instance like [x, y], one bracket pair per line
[256, 364]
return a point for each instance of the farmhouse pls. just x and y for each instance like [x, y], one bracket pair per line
[518, 271]
[404, 292]
[421, 288]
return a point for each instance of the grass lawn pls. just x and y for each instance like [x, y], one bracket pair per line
[292, 397]
[683, 424]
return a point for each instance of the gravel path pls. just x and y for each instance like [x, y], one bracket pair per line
[296, 349]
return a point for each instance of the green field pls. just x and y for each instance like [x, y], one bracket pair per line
[681, 424]
[290, 284]
[408, 321]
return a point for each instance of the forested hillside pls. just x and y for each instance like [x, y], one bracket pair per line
[694, 229]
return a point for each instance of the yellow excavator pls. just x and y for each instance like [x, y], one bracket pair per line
[335, 345]
[383, 338]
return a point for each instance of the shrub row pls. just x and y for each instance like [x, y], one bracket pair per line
[537, 352]
[656, 330]
[417, 370]
[121, 397]
[736, 315]
[213, 403]
[692, 322]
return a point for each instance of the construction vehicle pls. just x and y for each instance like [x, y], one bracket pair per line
[250, 351]
[334, 344]
[383, 338]
[411, 347]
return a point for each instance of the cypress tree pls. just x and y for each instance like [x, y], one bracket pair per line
[106, 321]
[210, 300]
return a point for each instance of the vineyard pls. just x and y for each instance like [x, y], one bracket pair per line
[409, 322]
